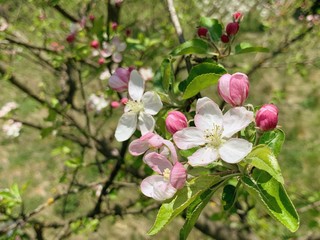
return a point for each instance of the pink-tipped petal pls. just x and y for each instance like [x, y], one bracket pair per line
[234, 150]
[155, 141]
[157, 162]
[117, 57]
[170, 146]
[178, 176]
[203, 157]
[157, 188]
[138, 147]
[188, 138]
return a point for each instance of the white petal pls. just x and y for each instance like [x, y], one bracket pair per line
[151, 102]
[235, 120]
[146, 123]
[208, 115]
[234, 150]
[188, 138]
[126, 126]
[201, 102]
[121, 47]
[117, 57]
[157, 188]
[136, 86]
[203, 157]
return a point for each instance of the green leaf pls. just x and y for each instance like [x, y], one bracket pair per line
[263, 158]
[73, 162]
[166, 74]
[200, 69]
[199, 83]
[214, 27]
[194, 46]
[273, 196]
[274, 140]
[248, 48]
[228, 196]
[182, 200]
[194, 211]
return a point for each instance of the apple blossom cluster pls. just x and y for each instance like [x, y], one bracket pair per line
[97, 103]
[213, 134]
[12, 128]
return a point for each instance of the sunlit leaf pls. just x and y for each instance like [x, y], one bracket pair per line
[194, 46]
[248, 48]
[274, 140]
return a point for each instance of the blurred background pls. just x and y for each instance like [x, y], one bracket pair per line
[52, 154]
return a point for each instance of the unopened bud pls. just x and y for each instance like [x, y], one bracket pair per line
[70, 38]
[176, 121]
[101, 61]
[237, 16]
[232, 28]
[95, 44]
[115, 104]
[267, 117]
[124, 100]
[202, 32]
[91, 17]
[234, 89]
[114, 26]
[224, 38]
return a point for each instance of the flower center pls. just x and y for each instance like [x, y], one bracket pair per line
[134, 106]
[166, 174]
[213, 136]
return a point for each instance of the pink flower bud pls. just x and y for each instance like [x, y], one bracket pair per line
[176, 121]
[71, 37]
[224, 38]
[128, 32]
[234, 89]
[232, 28]
[120, 79]
[94, 44]
[237, 16]
[115, 104]
[91, 17]
[267, 117]
[202, 32]
[101, 61]
[114, 26]
[124, 100]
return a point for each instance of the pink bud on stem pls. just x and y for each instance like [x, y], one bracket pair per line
[202, 32]
[267, 117]
[176, 121]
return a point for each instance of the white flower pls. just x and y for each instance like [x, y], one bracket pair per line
[213, 132]
[105, 75]
[97, 103]
[146, 73]
[8, 107]
[139, 109]
[12, 128]
[113, 49]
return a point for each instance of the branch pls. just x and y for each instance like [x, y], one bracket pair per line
[65, 13]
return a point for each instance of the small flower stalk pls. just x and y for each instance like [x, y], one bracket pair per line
[267, 117]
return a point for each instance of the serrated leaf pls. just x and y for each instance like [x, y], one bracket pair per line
[200, 69]
[194, 211]
[182, 200]
[166, 74]
[228, 196]
[263, 158]
[274, 140]
[248, 48]
[199, 83]
[194, 46]
[273, 196]
[214, 27]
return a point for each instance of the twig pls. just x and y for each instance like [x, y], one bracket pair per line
[65, 13]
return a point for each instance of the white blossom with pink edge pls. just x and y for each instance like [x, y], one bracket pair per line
[139, 109]
[172, 176]
[12, 128]
[151, 142]
[113, 49]
[213, 131]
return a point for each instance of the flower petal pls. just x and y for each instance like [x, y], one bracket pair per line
[203, 157]
[234, 150]
[188, 138]
[208, 115]
[157, 162]
[170, 146]
[235, 120]
[201, 102]
[157, 188]
[151, 102]
[146, 123]
[138, 147]
[117, 57]
[126, 126]
[136, 86]
[178, 176]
